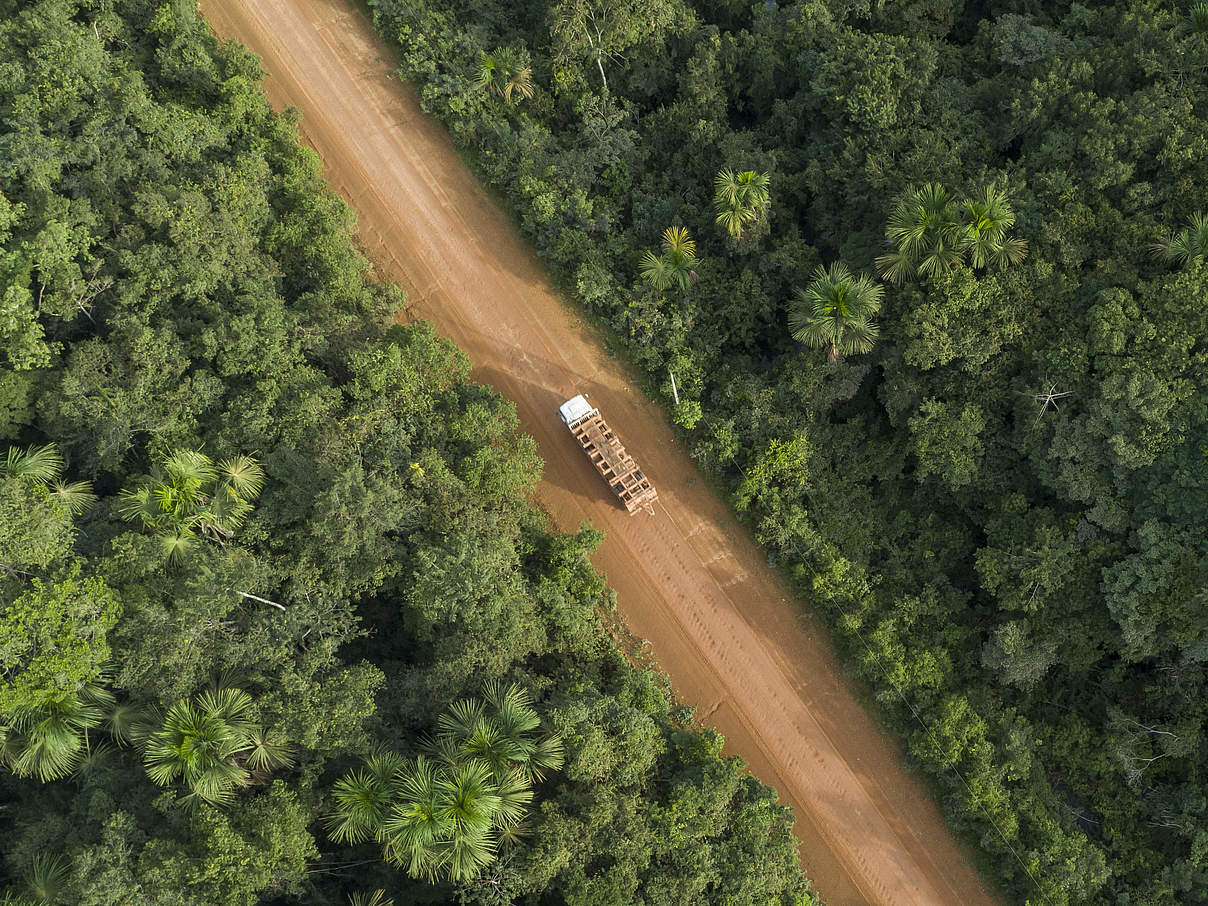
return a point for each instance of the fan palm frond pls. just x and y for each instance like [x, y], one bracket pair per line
[177, 546]
[469, 798]
[466, 855]
[243, 475]
[46, 877]
[75, 496]
[462, 720]
[188, 469]
[370, 898]
[41, 464]
[513, 708]
[234, 707]
[896, 267]
[488, 67]
[726, 187]
[547, 755]
[1197, 19]
[654, 271]
[676, 241]
[122, 720]
[515, 794]
[733, 220]
[362, 801]
[216, 782]
[1190, 246]
[270, 750]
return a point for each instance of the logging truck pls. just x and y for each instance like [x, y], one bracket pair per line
[608, 455]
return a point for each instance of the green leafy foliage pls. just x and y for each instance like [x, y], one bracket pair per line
[836, 312]
[186, 323]
[443, 816]
[213, 745]
[188, 496]
[1002, 498]
[740, 199]
[675, 266]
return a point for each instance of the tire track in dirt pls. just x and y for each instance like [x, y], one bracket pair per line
[689, 579]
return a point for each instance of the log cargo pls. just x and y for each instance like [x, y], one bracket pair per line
[608, 455]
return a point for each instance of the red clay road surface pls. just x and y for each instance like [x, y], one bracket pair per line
[689, 579]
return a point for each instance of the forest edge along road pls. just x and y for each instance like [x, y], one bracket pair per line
[689, 579]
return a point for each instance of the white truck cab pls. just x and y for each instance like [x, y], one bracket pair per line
[575, 409]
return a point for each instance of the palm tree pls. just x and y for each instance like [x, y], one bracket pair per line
[1189, 246]
[676, 263]
[363, 798]
[210, 744]
[505, 73]
[987, 220]
[501, 739]
[1197, 19]
[46, 878]
[372, 898]
[48, 738]
[43, 466]
[444, 819]
[40, 464]
[740, 199]
[928, 233]
[925, 233]
[416, 831]
[188, 496]
[836, 312]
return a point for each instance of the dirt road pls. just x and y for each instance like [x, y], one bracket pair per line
[689, 579]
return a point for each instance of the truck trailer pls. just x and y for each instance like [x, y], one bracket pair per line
[608, 455]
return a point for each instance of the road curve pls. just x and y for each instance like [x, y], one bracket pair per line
[689, 579]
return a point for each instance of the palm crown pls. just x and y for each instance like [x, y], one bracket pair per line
[1189, 245]
[675, 266]
[187, 495]
[43, 466]
[929, 233]
[740, 199]
[836, 311]
[47, 739]
[443, 817]
[212, 744]
[506, 73]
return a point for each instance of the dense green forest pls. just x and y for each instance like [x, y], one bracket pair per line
[931, 277]
[277, 621]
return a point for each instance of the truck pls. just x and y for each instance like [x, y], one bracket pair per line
[608, 455]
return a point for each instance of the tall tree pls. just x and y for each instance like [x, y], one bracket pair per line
[599, 30]
[506, 72]
[925, 231]
[930, 233]
[187, 497]
[836, 312]
[212, 744]
[443, 819]
[47, 737]
[987, 218]
[740, 199]
[676, 265]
